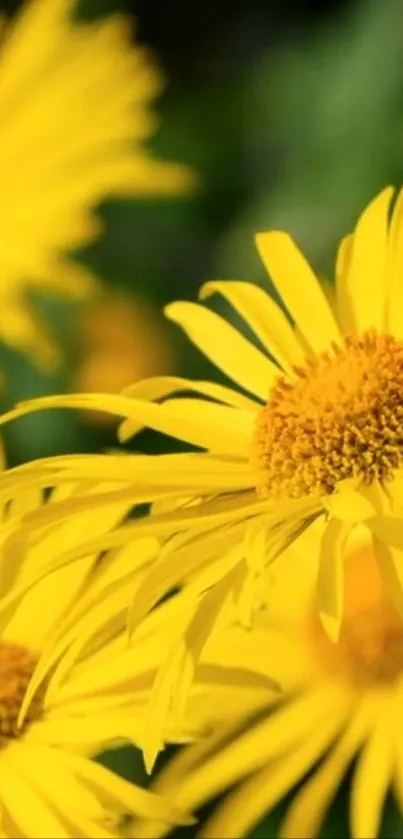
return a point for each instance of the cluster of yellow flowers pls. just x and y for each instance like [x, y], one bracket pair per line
[254, 614]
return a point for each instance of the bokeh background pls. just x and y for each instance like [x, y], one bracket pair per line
[291, 112]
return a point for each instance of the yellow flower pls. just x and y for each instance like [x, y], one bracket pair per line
[317, 439]
[50, 786]
[339, 703]
[75, 103]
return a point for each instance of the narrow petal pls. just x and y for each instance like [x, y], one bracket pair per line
[299, 289]
[388, 529]
[367, 266]
[398, 770]
[43, 771]
[350, 505]
[225, 347]
[173, 681]
[374, 772]
[36, 818]
[117, 790]
[40, 601]
[217, 512]
[135, 473]
[220, 428]
[187, 424]
[168, 573]
[331, 576]
[160, 387]
[394, 310]
[244, 808]
[390, 563]
[264, 317]
[345, 311]
[308, 809]
[263, 743]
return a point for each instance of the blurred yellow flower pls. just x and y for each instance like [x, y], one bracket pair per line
[318, 438]
[75, 103]
[339, 703]
[120, 339]
[50, 786]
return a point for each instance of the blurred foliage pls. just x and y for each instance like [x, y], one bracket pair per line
[294, 128]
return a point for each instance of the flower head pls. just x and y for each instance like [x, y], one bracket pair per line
[75, 100]
[339, 705]
[53, 725]
[317, 438]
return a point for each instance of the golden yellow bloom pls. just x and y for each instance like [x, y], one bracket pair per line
[75, 104]
[317, 438]
[49, 784]
[339, 703]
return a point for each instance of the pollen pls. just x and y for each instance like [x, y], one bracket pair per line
[17, 665]
[340, 417]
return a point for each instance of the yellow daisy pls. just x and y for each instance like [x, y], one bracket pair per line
[340, 706]
[75, 104]
[50, 786]
[317, 438]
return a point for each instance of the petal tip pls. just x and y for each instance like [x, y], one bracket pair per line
[331, 626]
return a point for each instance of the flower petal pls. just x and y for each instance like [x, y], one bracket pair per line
[299, 289]
[394, 305]
[308, 808]
[364, 291]
[264, 317]
[225, 347]
[331, 576]
[244, 808]
[390, 563]
[374, 771]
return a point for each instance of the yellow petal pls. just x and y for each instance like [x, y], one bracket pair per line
[219, 428]
[349, 505]
[41, 768]
[36, 818]
[394, 306]
[331, 577]
[344, 306]
[264, 742]
[225, 347]
[390, 563]
[388, 529]
[374, 772]
[308, 808]
[264, 317]
[299, 289]
[128, 795]
[160, 387]
[222, 429]
[367, 266]
[398, 773]
[40, 600]
[244, 808]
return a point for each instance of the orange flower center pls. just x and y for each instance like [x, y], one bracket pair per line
[370, 648]
[16, 667]
[342, 417]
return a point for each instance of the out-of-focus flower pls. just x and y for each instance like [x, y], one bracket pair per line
[123, 339]
[318, 438]
[339, 704]
[75, 107]
[50, 731]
